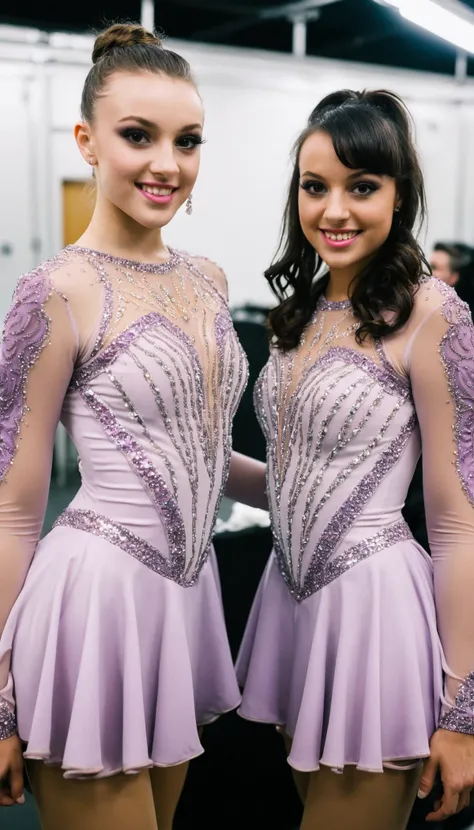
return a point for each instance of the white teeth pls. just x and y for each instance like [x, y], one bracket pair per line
[157, 191]
[340, 237]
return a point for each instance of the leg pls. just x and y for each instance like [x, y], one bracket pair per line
[167, 785]
[360, 800]
[301, 779]
[121, 802]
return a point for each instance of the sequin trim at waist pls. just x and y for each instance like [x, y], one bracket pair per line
[385, 538]
[118, 535]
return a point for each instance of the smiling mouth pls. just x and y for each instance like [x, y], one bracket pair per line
[340, 236]
[156, 190]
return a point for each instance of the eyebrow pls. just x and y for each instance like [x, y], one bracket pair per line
[151, 125]
[354, 175]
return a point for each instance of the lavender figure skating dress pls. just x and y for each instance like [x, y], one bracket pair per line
[116, 648]
[342, 646]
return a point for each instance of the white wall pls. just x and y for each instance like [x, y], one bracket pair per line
[256, 103]
[17, 201]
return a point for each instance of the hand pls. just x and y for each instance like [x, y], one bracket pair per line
[11, 772]
[453, 754]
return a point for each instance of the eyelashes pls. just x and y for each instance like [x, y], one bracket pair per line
[319, 189]
[140, 138]
[193, 140]
[135, 136]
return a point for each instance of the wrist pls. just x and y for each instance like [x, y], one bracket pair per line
[456, 720]
[7, 720]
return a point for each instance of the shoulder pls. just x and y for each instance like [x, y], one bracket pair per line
[33, 289]
[46, 296]
[438, 302]
[439, 316]
[434, 295]
[45, 279]
[211, 269]
[58, 279]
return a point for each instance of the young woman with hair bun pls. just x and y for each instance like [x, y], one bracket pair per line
[353, 625]
[113, 651]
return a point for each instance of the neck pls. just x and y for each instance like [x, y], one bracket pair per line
[113, 232]
[338, 285]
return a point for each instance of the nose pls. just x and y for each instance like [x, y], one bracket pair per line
[336, 209]
[164, 163]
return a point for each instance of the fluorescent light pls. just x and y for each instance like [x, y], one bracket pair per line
[438, 20]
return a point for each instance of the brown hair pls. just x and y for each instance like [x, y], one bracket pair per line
[128, 47]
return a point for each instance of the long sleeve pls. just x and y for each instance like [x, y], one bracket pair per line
[441, 368]
[36, 362]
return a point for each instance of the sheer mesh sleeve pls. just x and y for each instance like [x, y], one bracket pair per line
[441, 367]
[36, 362]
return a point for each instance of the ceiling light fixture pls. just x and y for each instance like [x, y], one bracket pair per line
[451, 21]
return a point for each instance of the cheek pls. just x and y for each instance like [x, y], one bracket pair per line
[118, 162]
[308, 214]
[381, 218]
[190, 168]
[125, 164]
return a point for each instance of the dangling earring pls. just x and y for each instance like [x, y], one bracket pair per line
[397, 209]
[189, 204]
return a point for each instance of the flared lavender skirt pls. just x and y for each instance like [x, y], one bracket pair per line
[115, 666]
[354, 672]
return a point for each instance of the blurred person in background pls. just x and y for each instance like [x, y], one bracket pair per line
[446, 262]
[453, 263]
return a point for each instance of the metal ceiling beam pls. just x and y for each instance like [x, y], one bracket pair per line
[342, 46]
[301, 10]
[216, 6]
[147, 17]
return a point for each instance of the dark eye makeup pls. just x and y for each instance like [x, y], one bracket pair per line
[362, 188]
[139, 138]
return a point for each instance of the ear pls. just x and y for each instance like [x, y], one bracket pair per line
[83, 136]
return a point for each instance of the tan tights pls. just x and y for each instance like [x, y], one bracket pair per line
[356, 800]
[145, 801]
[359, 800]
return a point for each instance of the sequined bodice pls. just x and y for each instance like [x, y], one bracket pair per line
[144, 364]
[336, 422]
[150, 409]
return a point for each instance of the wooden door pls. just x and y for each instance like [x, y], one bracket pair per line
[78, 206]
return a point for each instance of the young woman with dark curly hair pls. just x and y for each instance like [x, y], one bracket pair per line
[350, 633]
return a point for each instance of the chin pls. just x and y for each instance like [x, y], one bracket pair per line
[153, 223]
[337, 260]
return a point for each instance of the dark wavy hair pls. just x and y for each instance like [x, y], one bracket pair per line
[370, 131]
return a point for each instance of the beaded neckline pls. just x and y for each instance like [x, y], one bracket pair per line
[332, 305]
[135, 265]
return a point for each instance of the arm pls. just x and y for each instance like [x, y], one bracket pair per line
[215, 273]
[247, 481]
[442, 376]
[36, 363]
